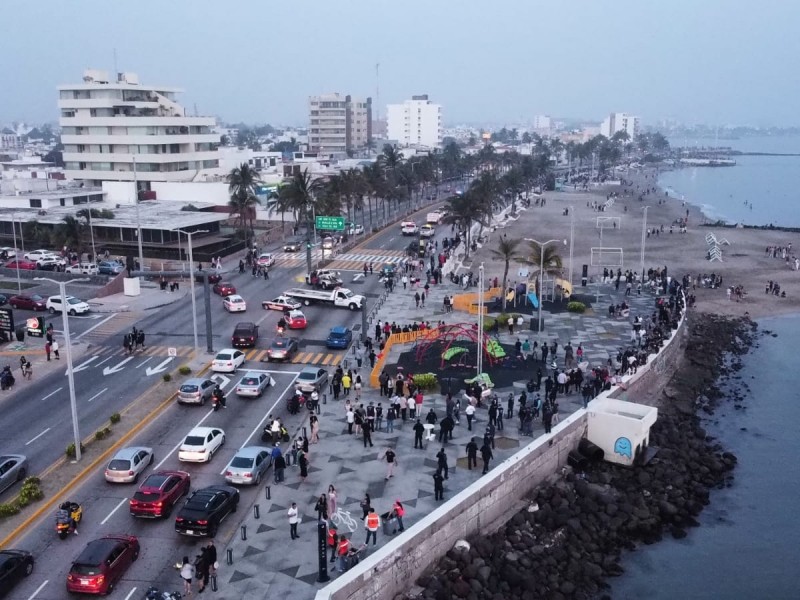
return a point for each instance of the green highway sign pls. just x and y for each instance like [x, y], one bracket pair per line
[331, 223]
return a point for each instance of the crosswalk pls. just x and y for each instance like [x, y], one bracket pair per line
[252, 354]
[349, 261]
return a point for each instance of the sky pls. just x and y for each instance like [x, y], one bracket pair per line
[501, 62]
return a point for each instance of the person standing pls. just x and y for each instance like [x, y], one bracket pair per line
[441, 458]
[187, 574]
[342, 551]
[280, 466]
[399, 513]
[486, 456]
[412, 407]
[351, 419]
[419, 429]
[366, 430]
[366, 504]
[438, 485]
[390, 416]
[55, 349]
[294, 519]
[472, 454]
[470, 412]
[211, 555]
[322, 508]
[372, 522]
[391, 462]
[47, 349]
[346, 381]
[303, 462]
[547, 417]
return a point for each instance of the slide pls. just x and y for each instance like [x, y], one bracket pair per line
[565, 285]
[533, 299]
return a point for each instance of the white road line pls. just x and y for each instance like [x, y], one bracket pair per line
[128, 597]
[262, 319]
[144, 362]
[121, 502]
[178, 445]
[104, 360]
[52, 394]
[39, 589]
[269, 412]
[97, 394]
[278, 372]
[37, 437]
[93, 327]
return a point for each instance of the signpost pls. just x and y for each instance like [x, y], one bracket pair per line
[330, 223]
[7, 321]
[35, 326]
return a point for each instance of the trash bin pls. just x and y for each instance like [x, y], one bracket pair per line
[535, 323]
[389, 523]
[20, 334]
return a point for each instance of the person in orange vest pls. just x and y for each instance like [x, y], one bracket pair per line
[399, 512]
[342, 551]
[372, 522]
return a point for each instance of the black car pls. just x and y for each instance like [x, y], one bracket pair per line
[245, 335]
[213, 276]
[205, 509]
[14, 566]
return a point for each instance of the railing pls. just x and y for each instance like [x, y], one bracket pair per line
[468, 302]
[397, 338]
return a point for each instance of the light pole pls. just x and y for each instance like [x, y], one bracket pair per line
[139, 223]
[91, 232]
[17, 257]
[480, 320]
[644, 236]
[571, 242]
[191, 283]
[541, 272]
[62, 285]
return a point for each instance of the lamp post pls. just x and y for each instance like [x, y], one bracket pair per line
[571, 241]
[644, 236]
[541, 272]
[91, 233]
[479, 364]
[17, 257]
[68, 346]
[191, 283]
[138, 222]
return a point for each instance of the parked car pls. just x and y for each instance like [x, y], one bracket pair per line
[48, 263]
[3, 299]
[13, 468]
[37, 255]
[252, 385]
[245, 335]
[355, 229]
[205, 509]
[311, 378]
[282, 348]
[339, 337]
[223, 288]
[107, 267]
[282, 303]
[249, 465]
[15, 565]
[234, 303]
[83, 268]
[75, 306]
[227, 360]
[296, 320]
[128, 463]
[195, 391]
[159, 493]
[266, 260]
[200, 444]
[21, 264]
[28, 302]
[9, 252]
[102, 564]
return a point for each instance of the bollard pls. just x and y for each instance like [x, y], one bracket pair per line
[244, 532]
[268, 492]
[213, 583]
[324, 398]
[229, 556]
[256, 511]
[304, 433]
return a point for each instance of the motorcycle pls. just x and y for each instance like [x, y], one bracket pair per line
[153, 593]
[68, 516]
[6, 378]
[295, 402]
[217, 398]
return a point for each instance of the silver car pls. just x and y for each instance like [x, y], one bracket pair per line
[128, 464]
[248, 465]
[196, 391]
[12, 469]
[311, 378]
[252, 385]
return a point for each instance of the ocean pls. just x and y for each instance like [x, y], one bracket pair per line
[746, 545]
[759, 190]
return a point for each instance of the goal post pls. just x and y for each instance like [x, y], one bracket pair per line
[608, 223]
[607, 257]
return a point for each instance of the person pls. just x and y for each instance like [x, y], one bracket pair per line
[472, 454]
[431, 418]
[351, 419]
[446, 429]
[48, 348]
[438, 485]
[366, 430]
[486, 456]
[314, 429]
[187, 574]
[470, 412]
[419, 429]
[441, 459]
[346, 381]
[55, 349]
[412, 407]
[331, 500]
[547, 418]
[372, 521]
[342, 550]
[294, 519]
[303, 462]
[211, 555]
[201, 570]
[399, 512]
[322, 508]
[390, 417]
[366, 504]
[27, 370]
[391, 462]
[280, 466]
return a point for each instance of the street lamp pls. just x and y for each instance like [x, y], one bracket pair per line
[17, 257]
[191, 282]
[480, 320]
[571, 242]
[541, 271]
[644, 235]
[138, 222]
[62, 285]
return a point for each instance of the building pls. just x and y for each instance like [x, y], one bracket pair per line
[121, 131]
[415, 122]
[338, 124]
[542, 123]
[616, 122]
[10, 141]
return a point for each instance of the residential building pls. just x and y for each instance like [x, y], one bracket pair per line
[10, 141]
[415, 122]
[616, 122]
[339, 124]
[542, 123]
[121, 131]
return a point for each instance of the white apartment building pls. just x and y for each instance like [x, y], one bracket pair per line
[110, 127]
[338, 124]
[542, 123]
[616, 122]
[415, 122]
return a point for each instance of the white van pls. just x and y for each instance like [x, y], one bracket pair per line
[408, 228]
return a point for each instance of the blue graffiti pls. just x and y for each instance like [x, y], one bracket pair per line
[623, 447]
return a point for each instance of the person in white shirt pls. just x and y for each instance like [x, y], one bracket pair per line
[412, 406]
[470, 412]
[294, 519]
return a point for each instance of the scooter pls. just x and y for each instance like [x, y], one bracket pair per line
[68, 516]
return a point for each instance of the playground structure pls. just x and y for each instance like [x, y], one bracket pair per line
[447, 340]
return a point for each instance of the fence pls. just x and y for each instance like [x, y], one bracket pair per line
[468, 302]
[397, 338]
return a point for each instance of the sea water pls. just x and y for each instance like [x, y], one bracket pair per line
[747, 544]
[758, 190]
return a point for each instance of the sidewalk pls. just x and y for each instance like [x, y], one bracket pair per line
[150, 297]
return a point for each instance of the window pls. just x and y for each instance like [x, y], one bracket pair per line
[35, 203]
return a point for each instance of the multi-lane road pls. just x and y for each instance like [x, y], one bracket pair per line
[107, 380]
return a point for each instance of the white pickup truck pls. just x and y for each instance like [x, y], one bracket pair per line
[338, 297]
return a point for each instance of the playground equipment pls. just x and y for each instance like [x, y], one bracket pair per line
[447, 338]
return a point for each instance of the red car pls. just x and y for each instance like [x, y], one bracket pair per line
[296, 320]
[28, 301]
[224, 288]
[213, 276]
[102, 564]
[22, 264]
[159, 494]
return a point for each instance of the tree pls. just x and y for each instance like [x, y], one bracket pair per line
[466, 209]
[552, 259]
[242, 184]
[507, 252]
[300, 195]
[70, 233]
[285, 147]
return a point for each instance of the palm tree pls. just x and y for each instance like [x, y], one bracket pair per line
[375, 185]
[391, 158]
[507, 252]
[300, 196]
[466, 209]
[242, 184]
[552, 259]
[70, 233]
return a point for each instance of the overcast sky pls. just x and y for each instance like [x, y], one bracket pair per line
[712, 61]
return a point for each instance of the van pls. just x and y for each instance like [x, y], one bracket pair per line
[408, 228]
[75, 306]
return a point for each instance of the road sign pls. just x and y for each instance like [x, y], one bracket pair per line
[35, 326]
[330, 223]
[172, 351]
[6, 320]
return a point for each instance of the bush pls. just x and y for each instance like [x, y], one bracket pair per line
[115, 418]
[501, 319]
[70, 451]
[166, 377]
[8, 510]
[30, 492]
[425, 381]
[100, 434]
[576, 307]
[184, 370]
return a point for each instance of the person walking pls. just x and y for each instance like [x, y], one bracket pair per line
[419, 429]
[366, 430]
[280, 466]
[366, 504]
[303, 462]
[346, 382]
[332, 507]
[390, 417]
[486, 456]
[472, 454]
[314, 422]
[391, 462]
[441, 458]
[187, 574]
[351, 419]
[372, 521]
[48, 347]
[470, 412]
[416, 299]
[211, 555]
[399, 513]
[322, 508]
[438, 485]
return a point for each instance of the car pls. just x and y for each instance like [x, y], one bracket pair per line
[282, 303]
[266, 260]
[13, 468]
[408, 228]
[282, 348]
[296, 320]
[311, 378]
[328, 243]
[252, 385]
[353, 229]
[427, 230]
[387, 270]
[22, 265]
[3, 299]
[9, 252]
[339, 337]
[83, 269]
[128, 463]
[234, 303]
[292, 246]
[108, 267]
[200, 444]
[249, 465]
[15, 565]
[227, 360]
[159, 493]
[213, 277]
[37, 255]
[224, 288]
[74, 305]
[245, 335]
[196, 391]
[205, 509]
[48, 263]
[28, 302]
[102, 564]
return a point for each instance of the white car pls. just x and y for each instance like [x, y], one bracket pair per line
[281, 303]
[200, 444]
[408, 228]
[36, 255]
[234, 303]
[82, 269]
[75, 306]
[10, 252]
[266, 260]
[427, 230]
[354, 229]
[227, 361]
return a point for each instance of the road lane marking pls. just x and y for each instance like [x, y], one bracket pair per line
[93, 327]
[179, 444]
[39, 589]
[83, 366]
[104, 360]
[128, 597]
[37, 437]
[118, 367]
[121, 502]
[104, 390]
[273, 371]
[52, 394]
[144, 362]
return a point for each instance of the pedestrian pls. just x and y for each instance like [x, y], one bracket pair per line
[314, 422]
[499, 419]
[346, 383]
[472, 454]
[391, 415]
[470, 412]
[391, 462]
[201, 571]
[331, 500]
[438, 485]
[187, 574]
[510, 405]
[372, 521]
[547, 418]
[399, 512]
[511, 325]
[419, 429]
[280, 466]
[405, 281]
[351, 419]
[416, 299]
[55, 349]
[366, 430]
[412, 407]
[47, 349]
[342, 550]
[486, 456]
[366, 504]
[294, 519]
[303, 462]
[441, 459]
[322, 508]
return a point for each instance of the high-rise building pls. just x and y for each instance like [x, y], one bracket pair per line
[338, 123]
[415, 122]
[616, 122]
[542, 123]
[108, 128]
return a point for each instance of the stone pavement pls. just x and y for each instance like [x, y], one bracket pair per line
[150, 297]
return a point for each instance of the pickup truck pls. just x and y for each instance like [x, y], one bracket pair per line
[324, 278]
[338, 297]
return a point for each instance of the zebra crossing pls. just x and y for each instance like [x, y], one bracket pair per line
[349, 261]
[252, 354]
